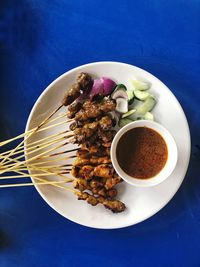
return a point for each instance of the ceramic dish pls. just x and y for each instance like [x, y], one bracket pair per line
[171, 159]
[141, 203]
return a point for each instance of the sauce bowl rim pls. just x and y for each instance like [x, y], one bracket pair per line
[169, 166]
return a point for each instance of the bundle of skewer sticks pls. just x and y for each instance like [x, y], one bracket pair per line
[46, 157]
[38, 159]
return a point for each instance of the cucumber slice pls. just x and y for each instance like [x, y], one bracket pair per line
[149, 116]
[141, 95]
[124, 121]
[148, 105]
[139, 85]
[120, 93]
[130, 112]
[122, 105]
[130, 96]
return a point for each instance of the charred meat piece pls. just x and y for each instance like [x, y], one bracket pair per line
[106, 136]
[111, 182]
[82, 85]
[92, 161]
[73, 109]
[103, 171]
[82, 134]
[93, 109]
[91, 137]
[114, 205]
[78, 124]
[82, 172]
[81, 184]
[85, 172]
[88, 154]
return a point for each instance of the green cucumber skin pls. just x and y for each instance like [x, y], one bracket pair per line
[147, 106]
[142, 86]
[141, 95]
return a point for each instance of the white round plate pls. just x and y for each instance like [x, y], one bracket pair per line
[141, 203]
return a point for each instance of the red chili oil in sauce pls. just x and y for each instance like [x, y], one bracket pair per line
[141, 152]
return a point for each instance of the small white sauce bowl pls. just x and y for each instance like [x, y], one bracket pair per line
[171, 159]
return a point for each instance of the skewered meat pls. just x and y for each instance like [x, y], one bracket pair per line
[96, 189]
[93, 130]
[114, 205]
[78, 124]
[103, 171]
[93, 109]
[106, 136]
[73, 109]
[101, 175]
[105, 123]
[92, 161]
[111, 182]
[81, 135]
[82, 85]
[88, 154]
[95, 150]
[90, 137]
[82, 172]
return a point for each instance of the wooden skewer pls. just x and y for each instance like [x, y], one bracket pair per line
[43, 180]
[30, 145]
[45, 168]
[47, 144]
[34, 158]
[64, 152]
[39, 183]
[45, 162]
[31, 175]
[22, 142]
[30, 131]
[39, 163]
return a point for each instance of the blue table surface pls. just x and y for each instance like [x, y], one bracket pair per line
[40, 40]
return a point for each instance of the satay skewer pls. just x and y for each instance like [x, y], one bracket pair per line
[45, 145]
[23, 141]
[30, 131]
[12, 166]
[30, 144]
[32, 149]
[37, 183]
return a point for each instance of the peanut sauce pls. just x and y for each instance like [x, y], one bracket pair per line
[141, 152]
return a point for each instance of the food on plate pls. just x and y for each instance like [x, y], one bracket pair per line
[93, 130]
[96, 106]
[141, 152]
[83, 85]
[133, 102]
[102, 87]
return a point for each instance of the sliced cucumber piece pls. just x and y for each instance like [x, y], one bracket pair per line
[130, 112]
[148, 105]
[141, 95]
[130, 96]
[120, 93]
[124, 121]
[139, 85]
[149, 116]
[121, 105]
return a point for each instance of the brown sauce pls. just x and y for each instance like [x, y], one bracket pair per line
[141, 152]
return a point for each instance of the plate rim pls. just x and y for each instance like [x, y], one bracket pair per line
[180, 108]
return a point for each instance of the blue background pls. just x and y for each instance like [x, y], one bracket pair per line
[41, 39]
